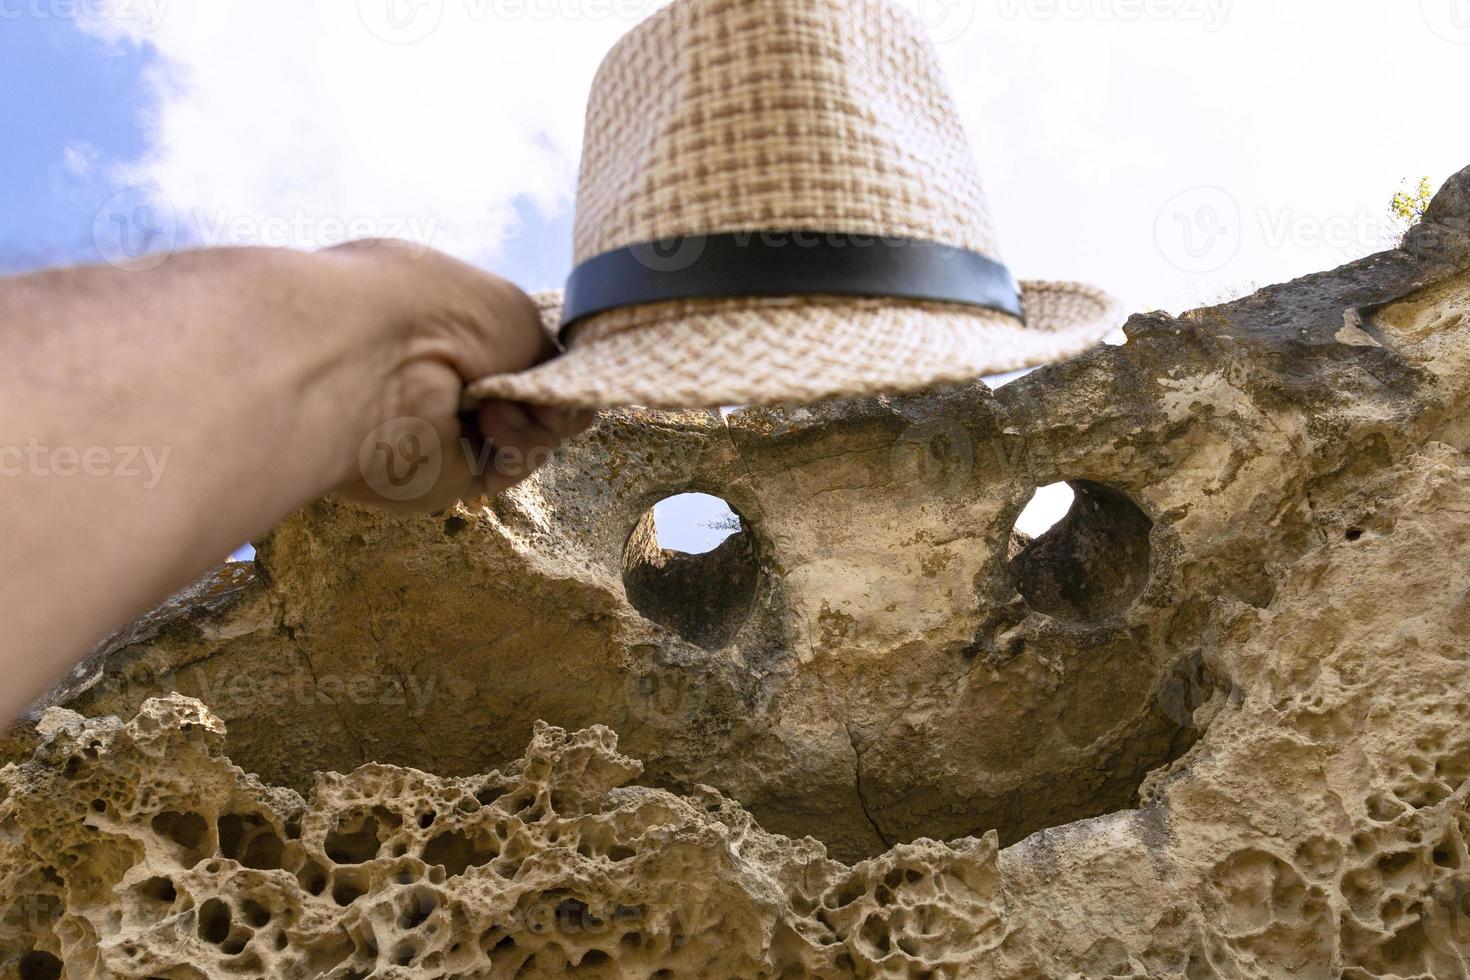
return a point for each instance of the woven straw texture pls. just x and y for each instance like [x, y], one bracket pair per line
[754, 352]
[767, 115]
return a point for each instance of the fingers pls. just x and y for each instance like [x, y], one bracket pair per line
[425, 325]
[509, 322]
[473, 320]
[516, 444]
[565, 422]
[520, 439]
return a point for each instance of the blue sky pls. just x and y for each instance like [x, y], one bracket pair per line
[70, 92]
[63, 88]
[1198, 148]
[1174, 151]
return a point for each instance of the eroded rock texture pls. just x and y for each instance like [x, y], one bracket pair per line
[1215, 720]
[181, 865]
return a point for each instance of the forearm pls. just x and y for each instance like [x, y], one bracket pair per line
[149, 423]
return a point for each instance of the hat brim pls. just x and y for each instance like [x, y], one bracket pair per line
[805, 349]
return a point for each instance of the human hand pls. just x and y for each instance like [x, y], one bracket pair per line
[427, 324]
[258, 380]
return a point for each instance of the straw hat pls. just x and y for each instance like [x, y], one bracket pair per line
[777, 204]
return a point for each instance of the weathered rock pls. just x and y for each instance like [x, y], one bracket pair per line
[1216, 717]
[142, 852]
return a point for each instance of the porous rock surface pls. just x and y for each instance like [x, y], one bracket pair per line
[1213, 724]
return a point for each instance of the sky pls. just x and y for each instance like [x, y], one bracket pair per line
[1175, 151]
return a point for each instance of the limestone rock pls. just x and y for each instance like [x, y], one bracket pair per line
[1211, 724]
[137, 851]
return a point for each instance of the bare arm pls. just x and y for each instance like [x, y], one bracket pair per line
[151, 421]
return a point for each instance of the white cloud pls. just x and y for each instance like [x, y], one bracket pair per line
[79, 158]
[292, 114]
[1089, 118]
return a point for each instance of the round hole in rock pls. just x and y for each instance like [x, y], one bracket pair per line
[39, 965]
[690, 566]
[214, 921]
[1047, 507]
[1087, 563]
